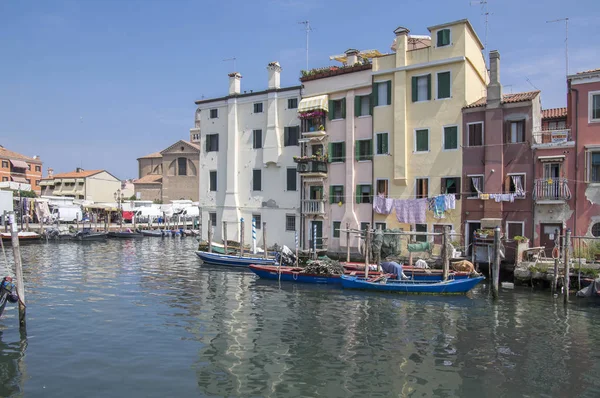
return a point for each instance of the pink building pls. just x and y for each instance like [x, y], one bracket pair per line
[583, 118]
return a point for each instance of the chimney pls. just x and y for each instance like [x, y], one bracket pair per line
[234, 83]
[78, 170]
[274, 74]
[494, 89]
[401, 45]
[50, 172]
[351, 57]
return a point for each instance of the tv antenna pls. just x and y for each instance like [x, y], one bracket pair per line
[566, 41]
[529, 81]
[484, 11]
[231, 59]
[308, 29]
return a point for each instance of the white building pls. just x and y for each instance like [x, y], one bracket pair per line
[248, 141]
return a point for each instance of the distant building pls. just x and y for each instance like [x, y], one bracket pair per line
[92, 185]
[171, 174]
[18, 170]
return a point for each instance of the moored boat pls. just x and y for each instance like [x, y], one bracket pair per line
[157, 233]
[124, 235]
[91, 236]
[293, 274]
[381, 284]
[23, 236]
[233, 261]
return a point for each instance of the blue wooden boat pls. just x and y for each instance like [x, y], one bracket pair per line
[451, 286]
[293, 274]
[232, 261]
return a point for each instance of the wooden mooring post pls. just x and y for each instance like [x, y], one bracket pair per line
[556, 259]
[225, 236]
[367, 249]
[264, 228]
[14, 235]
[446, 253]
[347, 242]
[495, 266]
[242, 237]
[567, 250]
[210, 237]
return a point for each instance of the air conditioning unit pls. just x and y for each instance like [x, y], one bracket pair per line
[303, 167]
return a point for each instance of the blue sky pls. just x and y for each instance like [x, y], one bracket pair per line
[99, 83]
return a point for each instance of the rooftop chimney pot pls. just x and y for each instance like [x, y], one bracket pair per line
[234, 83]
[274, 75]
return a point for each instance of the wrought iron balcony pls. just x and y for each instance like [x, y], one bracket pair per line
[551, 138]
[551, 190]
[313, 206]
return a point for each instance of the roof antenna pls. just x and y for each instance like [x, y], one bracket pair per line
[484, 11]
[566, 42]
[231, 59]
[532, 85]
[308, 29]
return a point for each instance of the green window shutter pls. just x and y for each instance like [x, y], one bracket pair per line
[421, 140]
[374, 98]
[330, 112]
[443, 87]
[343, 108]
[329, 152]
[357, 106]
[389, 92]
[451, 137]
[440, 38]
[343, 151]
[356, 150]
[446, 36]
[371, 148]
[358, 194]
[331, 194]
[415, 89]
[429, 86]
[384, 144]
[342, 199]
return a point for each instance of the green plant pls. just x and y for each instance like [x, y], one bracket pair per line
[157, 202]
[322, 128]
[133, 197]
[520, 238]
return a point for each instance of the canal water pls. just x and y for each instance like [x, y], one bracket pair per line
[145, 319]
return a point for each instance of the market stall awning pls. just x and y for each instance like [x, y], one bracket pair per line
[19, 179]
[18, 163]
[314, 103]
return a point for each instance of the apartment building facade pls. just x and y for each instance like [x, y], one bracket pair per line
[18, 171]
[429, 79]
[92, 185]
[247, 143]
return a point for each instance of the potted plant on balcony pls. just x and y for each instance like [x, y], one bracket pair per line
[321, 128]
[521, 239]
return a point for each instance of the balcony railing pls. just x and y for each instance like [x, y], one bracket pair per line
[551, 189]
[552, 137]
[312, 125]
[313, 206]
[312, 166]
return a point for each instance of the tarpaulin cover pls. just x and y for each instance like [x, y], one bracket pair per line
[592, 290]
[388, 243]
[419, 247]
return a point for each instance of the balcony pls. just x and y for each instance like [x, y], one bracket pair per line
[552, 139]
[308, 167]
[550, 191]
[313, 207]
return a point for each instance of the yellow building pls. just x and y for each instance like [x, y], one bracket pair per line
[420, 90]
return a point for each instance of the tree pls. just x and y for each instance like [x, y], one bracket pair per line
[133, 197]
[28, 194]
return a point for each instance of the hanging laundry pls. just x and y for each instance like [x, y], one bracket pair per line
[484, 196]
[450, 200]
[382, 205]
[411, 211]
[439, 206]
[518, 183]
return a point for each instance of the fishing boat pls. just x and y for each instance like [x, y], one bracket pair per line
[383, 284]
[23, 236]
[157, 233]
[293, 274]
[422, 274]
[232, 261]
[124, 235]
[88, 236]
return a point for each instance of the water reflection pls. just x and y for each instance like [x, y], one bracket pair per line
[12, 366]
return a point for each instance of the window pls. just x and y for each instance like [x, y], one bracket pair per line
[551, 125]
[421, 88]
[594, 100]
[443, 37]
[257, 180]
[380, 225]
[5, 164]
[421, 228]
[362, 105]
[37, 183]
[258, 107]
[475, 186]
[382, 187]
[212, 181]
[364, 226]
[4, 179]
[212, 217]
[515, 183]
[195, 137]
[443, 85]
[256, 139]
[594, 162]
[29, 181]
[337, 152]
[450, 137]
[336, 194]
[290, 222]
[381, 140]
[291, 135]
[212, 142]
[422, 140]
[181, 166]
[451, 185]
[561, 125]
[214, 113]
[291, 177]
[336, 228]
[514, 229]
[337, 109]
[475, 134]
[515, 131]
[422, 188]
[29, 167]
[293, 104]
[596, 229]
[363, 194]
[257, 220]
[382, 93]
[364, 150]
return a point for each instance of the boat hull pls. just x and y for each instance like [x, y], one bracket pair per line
[124, 235]
[156, 234]
[292, 274]
[457, 286]
[232, 261]
[92, 237]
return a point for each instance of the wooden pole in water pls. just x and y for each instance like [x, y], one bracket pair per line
[210, 237]
[347, 242]
[567, 264]
[446, 252]
[555, 277]
[378, 254]
[14, 234]
[496, 263]
[200, 222]
[264, 228]
[5, 221]
[241, 237]
[367, 247]
[225, 236]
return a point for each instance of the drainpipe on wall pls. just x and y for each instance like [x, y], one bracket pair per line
[576, 155]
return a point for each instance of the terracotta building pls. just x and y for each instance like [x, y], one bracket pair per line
[20, 169]
[92, 185]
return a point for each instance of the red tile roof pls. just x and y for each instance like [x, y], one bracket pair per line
[77, 174]
[149, 179]
[554, 113]
[6, 154]
[151, 156]
[507, 98]
[588, 71]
